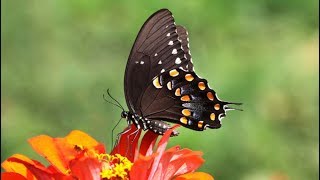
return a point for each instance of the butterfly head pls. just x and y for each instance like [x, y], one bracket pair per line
[124, 114]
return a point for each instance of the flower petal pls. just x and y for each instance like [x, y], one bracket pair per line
[139, 170]
[37, 169]
[46, 147]
[86, 168]
[186, 164]
[147, 143]
[164, 163]
[160, 150]
[10, 165]
[195, 176]
[80, 138]
[59, 151]
[127, 145]
[12, 175]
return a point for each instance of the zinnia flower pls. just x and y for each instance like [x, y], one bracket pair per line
[79, 156]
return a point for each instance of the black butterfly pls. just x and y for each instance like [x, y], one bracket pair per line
[160, 83]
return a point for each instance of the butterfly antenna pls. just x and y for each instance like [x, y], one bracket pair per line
[115, 100]
[118, 104]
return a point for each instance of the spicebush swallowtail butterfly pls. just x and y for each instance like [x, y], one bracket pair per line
[160, 83]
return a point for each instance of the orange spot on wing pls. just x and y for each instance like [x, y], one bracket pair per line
[186, 112]
[201, 86]
[200, 124]
[185, 98]
[210, 96]
[173, 73]
[212, 116]
[217, 107]
[156, 83]
[178, 92]
[184, 120]
[189, 77]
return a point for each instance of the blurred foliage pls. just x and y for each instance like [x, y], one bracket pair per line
[59, 57]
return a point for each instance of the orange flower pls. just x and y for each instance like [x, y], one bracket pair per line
[79, 156]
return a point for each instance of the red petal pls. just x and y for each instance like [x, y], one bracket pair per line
[86, 168]
[160, 150]
[164, 163]
[185, 152]
[147, 143]
[12, 175]
[185, 164]
[127, 145]
[139, 170]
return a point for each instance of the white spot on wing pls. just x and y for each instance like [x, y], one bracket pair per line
[168, 34]
[178, 60]
[141, 62]
[174, 51]
[156, 54]
[170, 43]
[162, 70]
[167, 26]
[160, 62]
[137, 62]
[185, 70]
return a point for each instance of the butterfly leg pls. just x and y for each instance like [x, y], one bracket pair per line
[135, 133]
[159, 127]
[120, 134]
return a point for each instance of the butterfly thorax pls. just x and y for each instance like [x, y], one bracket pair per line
[156, 126]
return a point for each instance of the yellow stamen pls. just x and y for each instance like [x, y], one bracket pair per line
[115, 166]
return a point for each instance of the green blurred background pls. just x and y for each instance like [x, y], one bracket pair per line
[59, 57]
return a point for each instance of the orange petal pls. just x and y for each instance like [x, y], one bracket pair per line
[80, 138]
[35, 170]
[46, 147]
[68, 145]
[11, 166]
[194, 176]
[12, 175]
[60, 151]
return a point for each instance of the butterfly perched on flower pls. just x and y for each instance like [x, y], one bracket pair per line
[161, 85]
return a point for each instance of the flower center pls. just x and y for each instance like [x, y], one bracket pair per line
[114, 166]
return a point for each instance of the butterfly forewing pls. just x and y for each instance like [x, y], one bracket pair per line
[157, 48]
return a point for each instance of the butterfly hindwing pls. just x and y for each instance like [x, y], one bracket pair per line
[184, 98]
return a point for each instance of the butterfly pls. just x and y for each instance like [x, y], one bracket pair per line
[160, 83]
